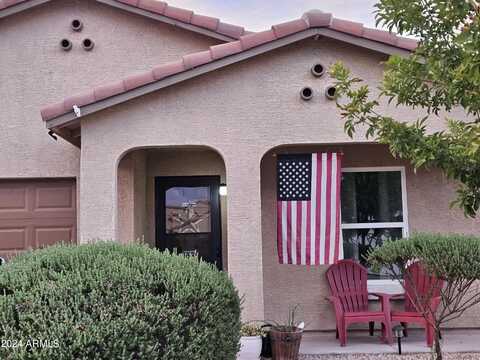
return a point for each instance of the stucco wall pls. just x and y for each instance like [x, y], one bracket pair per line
[136, 188]
[242, 111]
[131, 179]
[183, 162]
[34, 71]
[428, 197]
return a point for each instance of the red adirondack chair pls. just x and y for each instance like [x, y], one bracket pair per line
[425, 286]
[349, 296]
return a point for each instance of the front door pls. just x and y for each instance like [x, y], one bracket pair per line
[188, 216]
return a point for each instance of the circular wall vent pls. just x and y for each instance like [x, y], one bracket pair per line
[306, 93]
[331, 92]
[66, 44]
[77, 25]
[88, 44]
[318, 70]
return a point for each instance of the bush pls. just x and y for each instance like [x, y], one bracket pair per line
[452, 258]
[449, 257]
[111, 301]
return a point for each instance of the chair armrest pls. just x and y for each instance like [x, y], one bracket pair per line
[385, 299]
[397, 296]
[336, 304]
[380, 295]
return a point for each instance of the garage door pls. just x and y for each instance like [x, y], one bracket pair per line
[36, 213]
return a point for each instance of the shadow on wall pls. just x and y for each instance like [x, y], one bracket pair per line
[306, 285]
[137, 170]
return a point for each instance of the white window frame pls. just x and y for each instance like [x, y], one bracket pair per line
[384, 285]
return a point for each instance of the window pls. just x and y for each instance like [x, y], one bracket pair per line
[374, 210]
[187, 210]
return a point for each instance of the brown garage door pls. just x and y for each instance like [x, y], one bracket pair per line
[36, 213]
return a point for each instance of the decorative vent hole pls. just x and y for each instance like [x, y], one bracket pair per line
[331, 92]
[318, 70]
[88, 44]
[77, 25]
[306, 93]
[66, 44]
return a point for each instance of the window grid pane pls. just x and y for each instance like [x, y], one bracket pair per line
[358, 242]
[370, 197]
[372, 213]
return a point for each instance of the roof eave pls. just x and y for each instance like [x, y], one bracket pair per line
[70, 118]
[167, 20]
[21, 7]
[363, 42]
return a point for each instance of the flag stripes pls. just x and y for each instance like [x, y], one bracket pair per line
[308, 231]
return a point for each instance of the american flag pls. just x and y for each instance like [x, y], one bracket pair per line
[308, 209]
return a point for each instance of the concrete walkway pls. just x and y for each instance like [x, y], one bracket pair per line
[320, 343]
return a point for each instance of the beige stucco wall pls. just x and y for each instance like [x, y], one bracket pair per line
[34, 71]
[429, 194]
[136, 188]
[242, 112]
[131, 179]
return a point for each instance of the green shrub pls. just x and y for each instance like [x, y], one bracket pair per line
[449, 257]
[452, 258]
[111, 301]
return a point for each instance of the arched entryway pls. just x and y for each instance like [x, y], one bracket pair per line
[287, 285]
[174, 198]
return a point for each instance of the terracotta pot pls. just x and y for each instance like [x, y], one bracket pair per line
[286, 344]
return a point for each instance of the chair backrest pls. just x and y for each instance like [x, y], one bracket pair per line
[418, 282]
[348, 282]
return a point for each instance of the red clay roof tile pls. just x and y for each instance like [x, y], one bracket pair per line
[164, 70]
[8, 3]
[152, 5]
[251, 40]
[206, 22]
[233, 31]
[289, 27]
[406, 43]
[227, 49]
[80, 99]
[196, 59]
[347, 26]
[380, 36]
[179, 14]
[52, 111]
[129, 2]
[138, 80]
[312, 19]
[317, 18]
[105, 91]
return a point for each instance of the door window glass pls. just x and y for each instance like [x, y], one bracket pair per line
[187, 210]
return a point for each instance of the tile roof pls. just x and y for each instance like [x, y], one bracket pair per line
[7, 3]
[187, 17]
[162, 8]
[311, 19]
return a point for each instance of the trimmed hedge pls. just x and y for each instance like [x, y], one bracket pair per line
[112, 301]
[450, 257]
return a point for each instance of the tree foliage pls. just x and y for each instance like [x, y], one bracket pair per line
[452, 258]
[441, 75]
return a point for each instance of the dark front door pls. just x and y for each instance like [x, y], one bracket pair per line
[188, 216]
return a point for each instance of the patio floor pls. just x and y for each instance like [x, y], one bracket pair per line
[323, 343]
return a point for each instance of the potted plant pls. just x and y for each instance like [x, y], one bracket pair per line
[286, 338]
[251, 340]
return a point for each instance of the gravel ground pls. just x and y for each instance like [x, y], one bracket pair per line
[452, 356]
